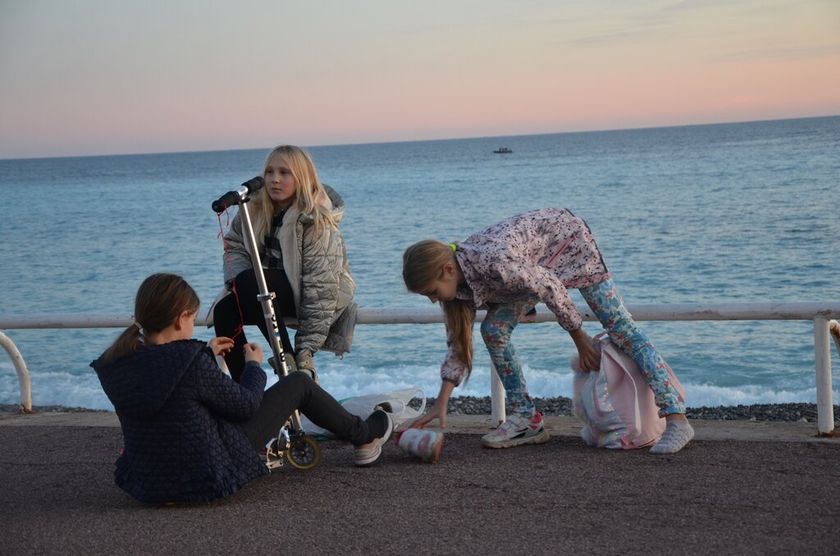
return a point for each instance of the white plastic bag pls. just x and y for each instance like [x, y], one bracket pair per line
[395, 402]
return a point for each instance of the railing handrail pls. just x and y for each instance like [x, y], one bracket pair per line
[807, 310]
[820, 312]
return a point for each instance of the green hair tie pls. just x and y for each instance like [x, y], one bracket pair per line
[453, 247]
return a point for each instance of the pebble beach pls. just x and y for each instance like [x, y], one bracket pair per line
[468, 405]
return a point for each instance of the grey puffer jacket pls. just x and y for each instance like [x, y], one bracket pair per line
[318, 273]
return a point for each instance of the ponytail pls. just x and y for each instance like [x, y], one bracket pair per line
[126, 343]
[459, 320]
[161, 299]
[422, 264]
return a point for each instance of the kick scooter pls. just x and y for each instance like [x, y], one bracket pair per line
[302, 451]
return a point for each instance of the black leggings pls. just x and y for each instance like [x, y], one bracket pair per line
[298, 391]
[226, 318]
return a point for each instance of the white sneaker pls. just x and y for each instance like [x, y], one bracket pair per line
[517, 431]
[368, 454]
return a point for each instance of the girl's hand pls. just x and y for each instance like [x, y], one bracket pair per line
[590, 359]
[220, 345]
[436, 412]
[253, 352]
[439, 410]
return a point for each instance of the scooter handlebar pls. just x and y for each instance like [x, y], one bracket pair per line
[235, 197]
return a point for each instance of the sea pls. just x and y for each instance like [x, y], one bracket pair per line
[725, 213]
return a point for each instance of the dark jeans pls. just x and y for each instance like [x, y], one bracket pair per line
[226, 317]
[298, 391]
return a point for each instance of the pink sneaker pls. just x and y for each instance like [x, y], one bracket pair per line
[517, 431]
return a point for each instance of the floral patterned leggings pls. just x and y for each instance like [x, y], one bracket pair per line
[606, 303]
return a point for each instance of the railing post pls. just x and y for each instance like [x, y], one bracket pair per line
[497, 398]
[22, 372]
[825, 408]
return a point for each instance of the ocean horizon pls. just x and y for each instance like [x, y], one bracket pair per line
[428, 140]
[706, 213]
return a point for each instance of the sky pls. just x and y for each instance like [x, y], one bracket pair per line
[87, 77]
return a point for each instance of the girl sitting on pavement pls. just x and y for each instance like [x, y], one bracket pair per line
[507, 269]
[190, 433]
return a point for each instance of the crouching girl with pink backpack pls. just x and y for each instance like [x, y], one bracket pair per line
[507, 269]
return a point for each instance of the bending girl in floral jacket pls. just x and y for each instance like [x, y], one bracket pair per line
[507, 269]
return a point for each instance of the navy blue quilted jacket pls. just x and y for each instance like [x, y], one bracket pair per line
[178, 414]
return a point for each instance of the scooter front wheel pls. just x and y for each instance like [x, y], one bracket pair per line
[304, 452]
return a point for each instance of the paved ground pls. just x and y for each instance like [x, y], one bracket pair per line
[739, 488]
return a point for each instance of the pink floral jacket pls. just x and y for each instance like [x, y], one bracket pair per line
[533, 256]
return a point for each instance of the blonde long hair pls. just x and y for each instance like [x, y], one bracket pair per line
[161, 299]
[310, 196]
[423, 264]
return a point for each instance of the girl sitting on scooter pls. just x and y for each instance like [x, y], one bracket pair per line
[190, 433]
[295, 219]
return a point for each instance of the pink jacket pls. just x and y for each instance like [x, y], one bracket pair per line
[532, 256]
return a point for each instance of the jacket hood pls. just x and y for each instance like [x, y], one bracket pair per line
[335, 199]
[139, 384]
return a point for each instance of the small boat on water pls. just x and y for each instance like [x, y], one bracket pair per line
[503, 150]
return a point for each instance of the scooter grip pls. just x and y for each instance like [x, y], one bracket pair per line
[254, 184]
[226, 200]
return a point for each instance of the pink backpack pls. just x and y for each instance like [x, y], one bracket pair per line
[615, 404]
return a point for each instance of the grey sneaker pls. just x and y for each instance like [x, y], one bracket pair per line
[312, 374]
[290, 361]
[677, 434]
[368, 454]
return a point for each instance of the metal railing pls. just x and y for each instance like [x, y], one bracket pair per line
[820, 313]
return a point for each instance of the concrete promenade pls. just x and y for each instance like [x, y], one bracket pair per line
[739, 488]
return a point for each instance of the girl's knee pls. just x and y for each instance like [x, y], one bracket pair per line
[297, 380]
[246, 281]
[495, 332]
[497, 344]
[221, 307]
[225, 316]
